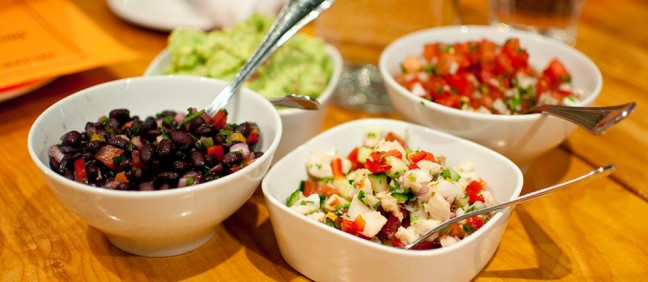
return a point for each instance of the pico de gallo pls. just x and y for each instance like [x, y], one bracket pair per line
[389, 193]
[482, 76]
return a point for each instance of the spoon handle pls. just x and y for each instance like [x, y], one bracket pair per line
[581, 180]
[596, 120]
[294, 15]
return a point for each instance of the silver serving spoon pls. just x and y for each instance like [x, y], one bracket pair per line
[581, 180]
[596, 120]
[294, 15]
[296, 101]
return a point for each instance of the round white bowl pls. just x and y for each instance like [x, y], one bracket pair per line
[300, 125]
[154, 223]
[522, 138]
[324, 253]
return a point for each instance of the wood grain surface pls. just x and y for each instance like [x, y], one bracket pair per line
[594, 233]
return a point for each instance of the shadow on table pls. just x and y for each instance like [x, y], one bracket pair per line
[550, 170]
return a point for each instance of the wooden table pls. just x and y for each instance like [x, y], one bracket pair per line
[597, 233]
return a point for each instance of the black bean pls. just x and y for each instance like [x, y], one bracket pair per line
[113, 125]
[197, 159]
[220, 140]
[124, 165]
[165, 148]
[166, 177]
[94, 146]
[92, 171]
[206, 129]
[217, 169]
[149, 124]
[72, 138]
[244, 128]
[122, 115]
[146, 153]
[119, 142]
[180, 166]
[231, 159]
[211, 160]
[181, 139]
[195, 123]
[69, 149]
[209, 177]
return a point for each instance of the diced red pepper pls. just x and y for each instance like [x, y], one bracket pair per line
[80, 174]
[475, 222]
[421, 155]
[353, 227]
[391, 136]
[220, 119]
[217, 151]
[472, 190]
[107, 154]
[253, 138]
[336, 167]
[353, 157]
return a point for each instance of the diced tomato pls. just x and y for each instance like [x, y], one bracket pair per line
[107, 154]
[217, 150]
[336, 167]
[319, 188]
[431, 51]
[353, 227]
[391, 136]
[518, 56]
[353, 157]
[137, 161]
[449, 99]
[310, 187]
[376, 163]
[472, 190]
[220, 119]
[475, 222]
[460, 83]
[421, 155]
[80, 171]
[557, 73]
[252, 138]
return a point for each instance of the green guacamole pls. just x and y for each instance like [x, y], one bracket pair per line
[301, 66]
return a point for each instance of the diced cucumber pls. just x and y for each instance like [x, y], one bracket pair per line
[398, 166]
[379, 182]
[293, 198]
[451, 174]
[363, 154]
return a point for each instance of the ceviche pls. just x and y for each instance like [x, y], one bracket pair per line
[482, 76]
[389, 193]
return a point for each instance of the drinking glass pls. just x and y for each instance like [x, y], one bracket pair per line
[361, 29]
[553, 18]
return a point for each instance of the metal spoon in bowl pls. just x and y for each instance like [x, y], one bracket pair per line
[596, 120]
[581, 180]
[294, 15]
[296, 101]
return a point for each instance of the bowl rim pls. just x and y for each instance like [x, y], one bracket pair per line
[155, 67]
[478, 29]
[271, 200]
[45, 169]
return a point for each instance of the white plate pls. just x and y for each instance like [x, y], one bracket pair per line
[163, 15]
[10, 92]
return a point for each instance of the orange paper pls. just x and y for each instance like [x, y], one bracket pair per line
[42, 39]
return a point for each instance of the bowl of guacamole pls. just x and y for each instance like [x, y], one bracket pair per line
[305, 65]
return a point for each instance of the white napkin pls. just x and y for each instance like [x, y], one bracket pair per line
[227, 13]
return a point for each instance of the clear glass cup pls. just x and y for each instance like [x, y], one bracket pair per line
[553, 18]
[361, 29]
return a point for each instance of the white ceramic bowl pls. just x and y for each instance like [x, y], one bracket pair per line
[326, 254]
[521, 138]
[154, 223]
[300, 125]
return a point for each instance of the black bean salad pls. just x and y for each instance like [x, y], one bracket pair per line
[165, 151]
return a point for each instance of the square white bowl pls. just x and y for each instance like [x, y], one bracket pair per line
[326, 254]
